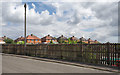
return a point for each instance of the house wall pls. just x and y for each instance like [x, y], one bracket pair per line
[85, 41]
[33, 41]
[48, 40]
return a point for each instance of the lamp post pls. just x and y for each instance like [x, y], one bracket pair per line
[25, 25]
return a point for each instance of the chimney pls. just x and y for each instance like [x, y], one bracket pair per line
[73, 36]
[48, 35]
[81, 38]
[89, 41]
[31, 34]
[95, 41]
[5, 37]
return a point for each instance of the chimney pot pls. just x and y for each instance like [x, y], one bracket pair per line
[31, 34]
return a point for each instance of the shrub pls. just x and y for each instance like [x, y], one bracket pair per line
[20, 42]
[9, 41]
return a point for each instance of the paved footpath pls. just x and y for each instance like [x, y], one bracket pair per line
[12, 64]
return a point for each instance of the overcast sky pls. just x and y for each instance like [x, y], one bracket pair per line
[95, 20]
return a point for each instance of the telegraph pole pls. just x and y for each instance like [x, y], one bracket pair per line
[25, 25]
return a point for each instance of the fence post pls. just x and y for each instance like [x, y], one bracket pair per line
[81, 51]
[89, 41]
[108, 53]
[118, 57]
[36, 50]
[61, 50]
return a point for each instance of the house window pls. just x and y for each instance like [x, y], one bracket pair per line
[28, 40]
[36, 40]
[32, 40]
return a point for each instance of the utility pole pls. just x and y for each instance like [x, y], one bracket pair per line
[25, 26]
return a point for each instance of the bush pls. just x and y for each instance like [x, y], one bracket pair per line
[51, 42]
[20, 42]
[9, 41]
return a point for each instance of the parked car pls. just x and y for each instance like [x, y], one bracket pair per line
[116, 61]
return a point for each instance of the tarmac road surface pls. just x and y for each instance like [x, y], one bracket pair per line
[12, 64]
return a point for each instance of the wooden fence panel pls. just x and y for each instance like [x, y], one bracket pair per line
[105, 54]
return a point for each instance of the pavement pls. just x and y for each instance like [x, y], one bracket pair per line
[13, 64]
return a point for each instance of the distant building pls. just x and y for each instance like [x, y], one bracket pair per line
[30, 39]
[73, 38]
[4, 37]
[83, 40]
[19, 39]
[96, 41]
[1, 41]
[62, 38]
[91, 41]
[88, 41]
[48, 39]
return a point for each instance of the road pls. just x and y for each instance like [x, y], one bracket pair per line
[12, 64]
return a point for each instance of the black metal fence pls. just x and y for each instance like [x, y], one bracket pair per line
[104, 54]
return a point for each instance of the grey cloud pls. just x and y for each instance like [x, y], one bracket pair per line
[74, 19]
[43, 24]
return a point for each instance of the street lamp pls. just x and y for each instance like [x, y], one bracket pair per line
[25, 25]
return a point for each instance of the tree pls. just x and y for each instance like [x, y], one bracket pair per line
[61, 41]
[9, 41]
[51, 42]
[69, 41]
[74, 42]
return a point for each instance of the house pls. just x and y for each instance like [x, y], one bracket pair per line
[89, 41]
[1, 41]
[30, 39]
[19, 39]
[4, 37]
[48, 39]
[82, 39]
[62, 38]
[73, 38]
[96, 41]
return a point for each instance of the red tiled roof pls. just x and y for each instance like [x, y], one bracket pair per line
[48, 37]
[73, 38]
[20, 39]
[91, 40]
[32, 37]
[1, 38]
[62, 38]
